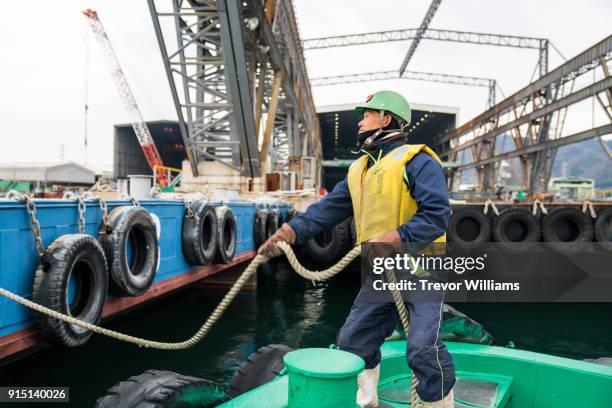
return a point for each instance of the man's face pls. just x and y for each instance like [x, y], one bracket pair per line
[371, 121]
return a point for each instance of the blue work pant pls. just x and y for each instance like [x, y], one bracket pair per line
[368, 324]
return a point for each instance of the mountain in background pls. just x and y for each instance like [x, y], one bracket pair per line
[585, 159]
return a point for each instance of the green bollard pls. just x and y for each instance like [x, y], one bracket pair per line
[322, 378]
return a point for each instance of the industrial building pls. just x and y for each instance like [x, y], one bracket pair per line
[43, 177]
[339, 134]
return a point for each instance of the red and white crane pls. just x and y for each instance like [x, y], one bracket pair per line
[125, 93]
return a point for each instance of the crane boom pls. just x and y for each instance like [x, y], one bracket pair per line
[127, 97]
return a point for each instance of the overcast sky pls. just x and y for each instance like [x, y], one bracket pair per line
[43, 75]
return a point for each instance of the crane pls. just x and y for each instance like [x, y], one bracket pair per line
[129, 102]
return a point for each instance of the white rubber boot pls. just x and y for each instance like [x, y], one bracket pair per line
[446, 402]
[367, 393]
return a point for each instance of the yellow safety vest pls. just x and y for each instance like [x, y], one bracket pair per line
[381, 199]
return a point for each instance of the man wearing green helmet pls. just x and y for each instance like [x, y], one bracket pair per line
[397, 193]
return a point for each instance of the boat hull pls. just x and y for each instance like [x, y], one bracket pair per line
[18, 258]
[515, 378]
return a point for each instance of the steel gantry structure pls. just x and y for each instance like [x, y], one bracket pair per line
[423, 32]
[466, 37]
[533, 117]
[431, 11]
[489, 83]
[238, 81]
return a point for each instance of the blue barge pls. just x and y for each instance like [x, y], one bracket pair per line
[57, 217]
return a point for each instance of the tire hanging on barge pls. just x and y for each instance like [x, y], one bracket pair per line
[260, 227]
[227, 234]
[273, 222]
[200, 233]
[567, 225]
[515, 229]
[131, 249]
[353, 227]
[330, 245]
[71, 278]
[291, 213]
[603, 228]
[469, 226]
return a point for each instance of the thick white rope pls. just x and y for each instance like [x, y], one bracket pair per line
[315, 276]
[587, 204]
[537, 203]
[214, 316]
[491, 204]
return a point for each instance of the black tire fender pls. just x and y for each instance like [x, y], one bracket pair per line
[199, 235]
[273, 222]
[330, 245]
[131, 226]
[563, 225]
[469, 226]
[163, 389]
[261, 366]
[603, 227]
[259, 227]
[516, 229]
[227, 234]
[291, 213]
[71, 278]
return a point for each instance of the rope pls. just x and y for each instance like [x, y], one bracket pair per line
[405, 319]
[251, 269]
[492, 205]
[537, 203]
[587, 204]
[210, 321]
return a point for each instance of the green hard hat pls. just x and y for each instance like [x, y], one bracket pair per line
[388, 101]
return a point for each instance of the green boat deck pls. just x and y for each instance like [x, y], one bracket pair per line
[471, 390]
[487, 377]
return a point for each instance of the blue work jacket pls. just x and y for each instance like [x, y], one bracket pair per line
[426, 183]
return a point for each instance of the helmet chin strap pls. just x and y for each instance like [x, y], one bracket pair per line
[374, 137]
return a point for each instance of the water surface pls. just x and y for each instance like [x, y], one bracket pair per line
[283, 309]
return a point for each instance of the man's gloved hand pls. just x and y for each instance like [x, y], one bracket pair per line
[269, 248]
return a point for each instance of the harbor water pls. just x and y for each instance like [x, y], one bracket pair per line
[283, 309]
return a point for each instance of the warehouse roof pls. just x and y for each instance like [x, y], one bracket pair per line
[414, 106]
[49, 172]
